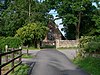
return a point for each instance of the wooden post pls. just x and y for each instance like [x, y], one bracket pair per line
[0, 63]
[20, 53]
[27, 49]
[6, 48]
[12, 65]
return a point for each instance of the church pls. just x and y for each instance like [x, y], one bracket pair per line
[53, 34]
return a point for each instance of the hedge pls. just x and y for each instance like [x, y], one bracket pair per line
[90, 43]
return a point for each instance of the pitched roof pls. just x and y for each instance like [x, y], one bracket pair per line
[52, 24]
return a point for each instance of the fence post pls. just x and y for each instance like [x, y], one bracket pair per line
[20, 53]
[12, 65]
[27, 49]
[0, 63]
[6, 48]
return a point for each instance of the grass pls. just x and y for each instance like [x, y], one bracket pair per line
[31, 48]
[21, 70]
[5, 69]
[27, 56]
[90, 64]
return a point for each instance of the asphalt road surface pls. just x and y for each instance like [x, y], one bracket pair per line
[53, 62]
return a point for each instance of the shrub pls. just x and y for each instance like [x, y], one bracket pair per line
[90, 43]
[12, 42]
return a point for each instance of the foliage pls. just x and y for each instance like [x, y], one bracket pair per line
[13, 17]
[19, 13]
[90, 64]
[12, 42]
[77, 17]
[21, 70]
[96, 19]
[33, 32]
[90, 43]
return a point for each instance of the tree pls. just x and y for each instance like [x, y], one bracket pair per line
[96, 30]
[17, 14]
[76, 16]
[32, 33]
[13, 17]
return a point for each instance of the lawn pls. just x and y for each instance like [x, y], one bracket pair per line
[27, 56]
[90, 64]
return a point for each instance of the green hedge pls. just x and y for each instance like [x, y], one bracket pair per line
[12, 42]
[90, 43]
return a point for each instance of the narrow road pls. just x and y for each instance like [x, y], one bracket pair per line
[53, 62]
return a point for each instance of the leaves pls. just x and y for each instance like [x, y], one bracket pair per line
[32, 31]
[90, 43]
[17, 12]
[76, 15]
[12, 42]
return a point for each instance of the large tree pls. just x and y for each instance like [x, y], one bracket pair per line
[13, 17]
[76, 16]
[21, 12]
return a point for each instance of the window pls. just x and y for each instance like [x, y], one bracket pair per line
[50, 35]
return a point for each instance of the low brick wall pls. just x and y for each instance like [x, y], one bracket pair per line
[66, 43]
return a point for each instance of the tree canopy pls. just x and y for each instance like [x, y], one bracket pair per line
[33, 32]
[77, 16]
[18, 13]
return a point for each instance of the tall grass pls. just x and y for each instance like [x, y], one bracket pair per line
[90, 64]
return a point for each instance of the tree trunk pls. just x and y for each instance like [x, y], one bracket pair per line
[35, 43]
[78, 27]
[38, 44]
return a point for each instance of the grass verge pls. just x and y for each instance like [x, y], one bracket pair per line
[27, 56]
[90, 64]
[21, 70]
[31, 48]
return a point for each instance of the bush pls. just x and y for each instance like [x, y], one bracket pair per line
[12, 42]
[90, 43]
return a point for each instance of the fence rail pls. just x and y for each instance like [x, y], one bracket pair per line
[13, 58]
